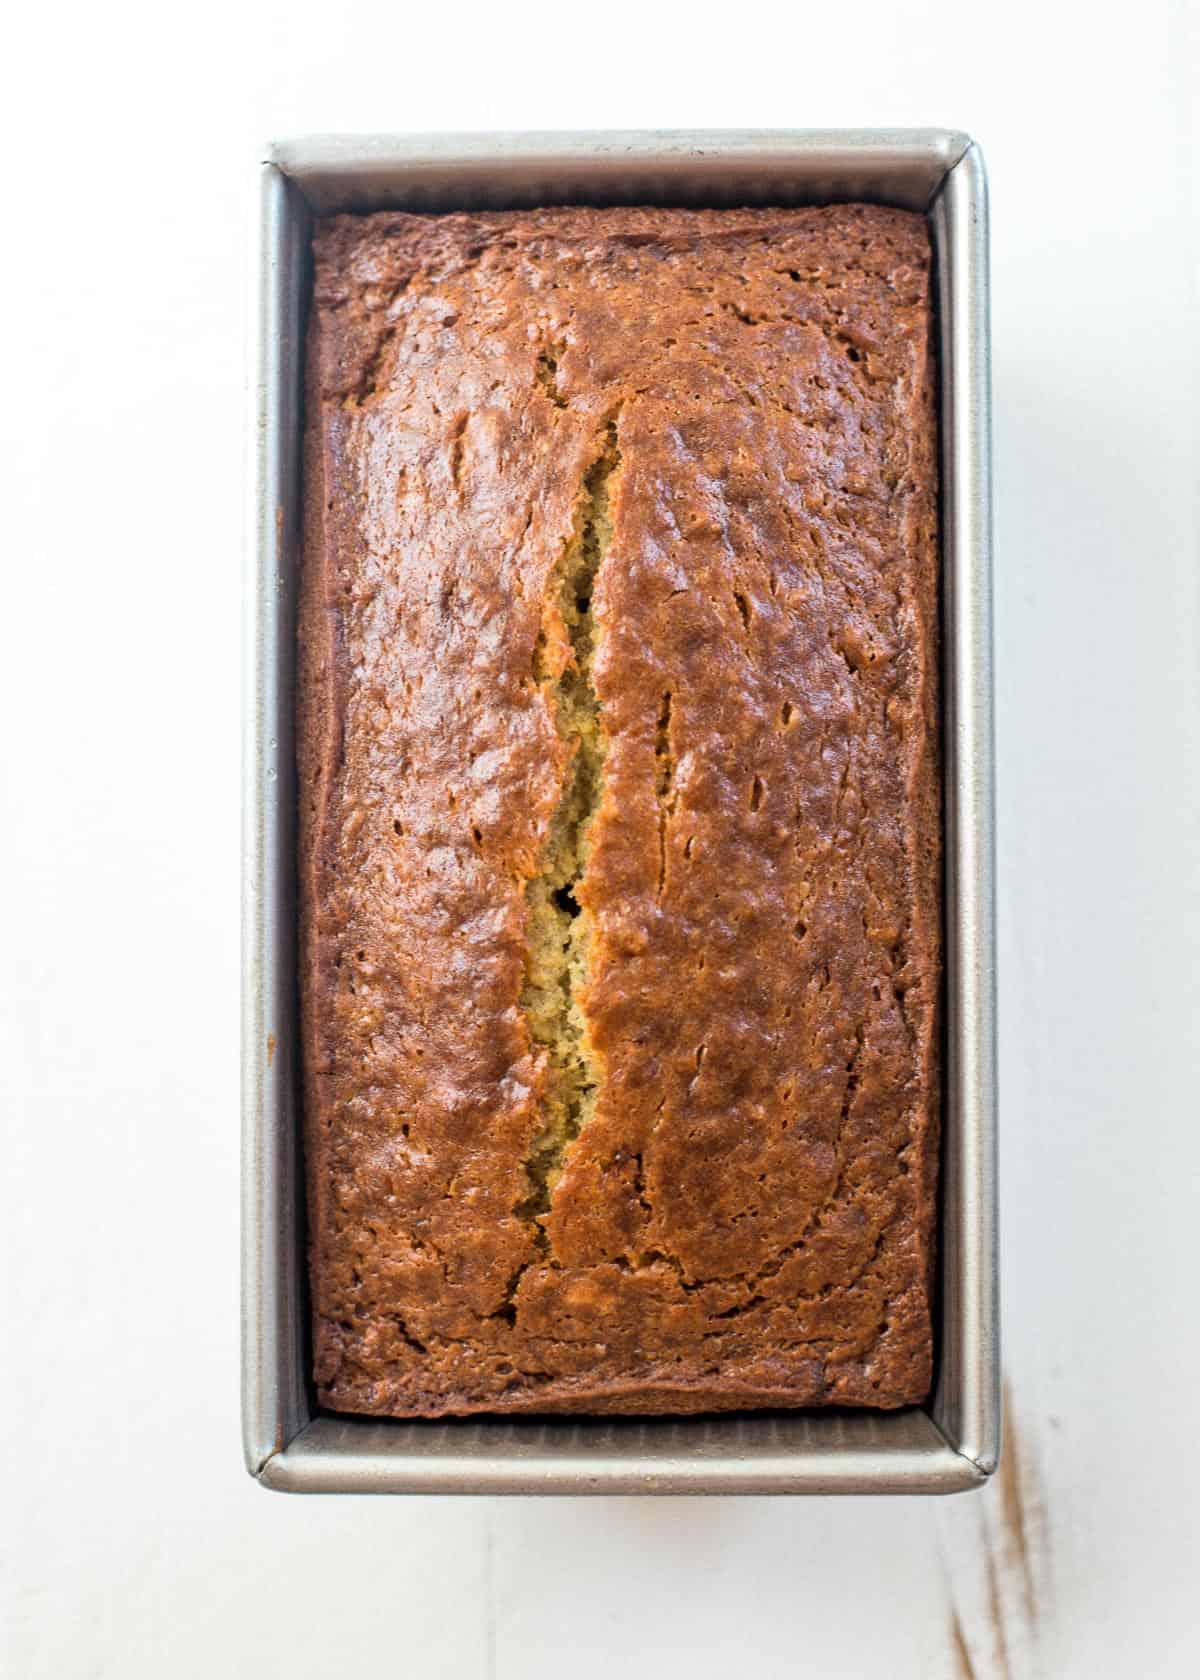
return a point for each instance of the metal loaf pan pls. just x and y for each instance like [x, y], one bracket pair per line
[954, 1443]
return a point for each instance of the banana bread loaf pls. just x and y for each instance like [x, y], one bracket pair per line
[620, 810]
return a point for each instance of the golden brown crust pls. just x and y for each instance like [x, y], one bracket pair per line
[746, 1219]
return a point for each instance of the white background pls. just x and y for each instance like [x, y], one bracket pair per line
[137, 1546]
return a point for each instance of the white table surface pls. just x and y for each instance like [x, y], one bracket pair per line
[136, 1544]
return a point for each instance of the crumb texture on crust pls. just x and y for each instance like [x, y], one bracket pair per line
[620, 811]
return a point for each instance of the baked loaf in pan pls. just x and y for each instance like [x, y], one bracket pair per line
[619, 810]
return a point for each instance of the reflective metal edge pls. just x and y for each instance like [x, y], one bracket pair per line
[274, 1401]
[441, 171]
[771, 1454]
[912, 1452]
[966, 1405]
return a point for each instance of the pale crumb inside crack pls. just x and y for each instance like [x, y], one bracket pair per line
[558, 927]
[547, 374]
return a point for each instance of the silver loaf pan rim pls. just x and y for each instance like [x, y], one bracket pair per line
[954, 1443]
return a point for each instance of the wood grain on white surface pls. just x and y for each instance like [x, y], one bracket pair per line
[135, 1545]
